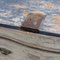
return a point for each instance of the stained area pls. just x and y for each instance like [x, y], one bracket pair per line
[5, 51]
[32, 22]
[33, 57]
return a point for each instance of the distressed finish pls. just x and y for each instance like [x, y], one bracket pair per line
[14, 13]
[20, 42]
[33, 20]
[20, 52]
[37, 40]
[21, 45]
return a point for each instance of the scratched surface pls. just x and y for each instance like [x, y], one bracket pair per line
[20, 52]
[14, 13]
[30, 39]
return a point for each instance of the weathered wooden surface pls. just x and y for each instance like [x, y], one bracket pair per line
[31, 39]
[22, 52]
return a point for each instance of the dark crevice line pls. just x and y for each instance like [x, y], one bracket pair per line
[40, 49]
[40, 32]
[49, 34]
[9, 26]
[30, 30]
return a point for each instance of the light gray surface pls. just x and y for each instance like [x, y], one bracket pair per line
[20, 52]
[31, 39]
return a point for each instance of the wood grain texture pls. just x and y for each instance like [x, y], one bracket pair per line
[36, 41]
[21, 52]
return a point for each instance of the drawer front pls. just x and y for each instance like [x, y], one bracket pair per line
[10, 50]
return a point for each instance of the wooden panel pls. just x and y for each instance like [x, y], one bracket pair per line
[33, 40]
[21, 52]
